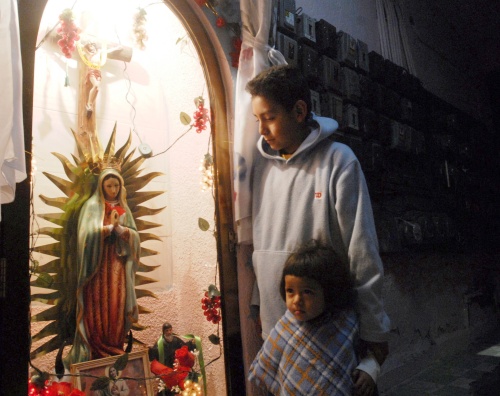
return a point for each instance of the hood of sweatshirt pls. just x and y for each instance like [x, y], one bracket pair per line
[322, 128]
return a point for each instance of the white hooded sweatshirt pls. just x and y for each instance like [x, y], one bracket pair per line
[318, 193]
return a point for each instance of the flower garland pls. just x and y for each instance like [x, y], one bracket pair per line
[211, 303]
[201, 115]
[139, 28]
[69, 33]
[39, 386]
[207, 172]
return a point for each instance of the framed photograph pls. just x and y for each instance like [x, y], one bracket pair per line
[137, 367]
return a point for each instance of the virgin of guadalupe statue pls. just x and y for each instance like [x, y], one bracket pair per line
[108, 258]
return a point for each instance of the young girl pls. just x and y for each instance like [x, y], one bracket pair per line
[311, 350]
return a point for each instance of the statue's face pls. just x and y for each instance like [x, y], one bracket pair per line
[111, 188]
[168, 334]
[91, 48]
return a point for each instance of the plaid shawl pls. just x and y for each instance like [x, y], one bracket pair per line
[308, 358]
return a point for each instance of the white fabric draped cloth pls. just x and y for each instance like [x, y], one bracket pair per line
[256, 56]
[12, 159]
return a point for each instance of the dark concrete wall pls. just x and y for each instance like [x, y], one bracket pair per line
[439, 303]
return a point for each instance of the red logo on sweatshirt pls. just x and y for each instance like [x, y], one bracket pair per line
[317, 195]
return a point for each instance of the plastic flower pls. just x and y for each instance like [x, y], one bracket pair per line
[76, 392]
[60, 388]
[171, 377]
[139, 28]
[200, 115]
[69, 33]
[52, 389]
[185, 357]
[220, 22]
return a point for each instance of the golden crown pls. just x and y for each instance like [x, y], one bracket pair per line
[98, 160]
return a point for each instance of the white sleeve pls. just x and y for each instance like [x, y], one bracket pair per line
[357, 227]
[370, 366]
[255, 300]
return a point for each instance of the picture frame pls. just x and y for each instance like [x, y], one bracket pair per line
[138, 366]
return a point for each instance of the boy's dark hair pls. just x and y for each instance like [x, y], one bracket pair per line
[283, 85]
[322, 264]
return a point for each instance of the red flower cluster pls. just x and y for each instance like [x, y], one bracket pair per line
[211, 308]
[184, 357]
[69, 33]
[175, 376]
[221, 22]
[200, 118]
[53, 389]
[235, 53]
[168, 375]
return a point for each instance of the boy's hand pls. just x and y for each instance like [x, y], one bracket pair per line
[363, 383]
[380, 350]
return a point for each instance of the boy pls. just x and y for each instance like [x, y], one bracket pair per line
[307, 186]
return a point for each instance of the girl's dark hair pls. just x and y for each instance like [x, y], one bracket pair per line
[322, 264]
[283, 85]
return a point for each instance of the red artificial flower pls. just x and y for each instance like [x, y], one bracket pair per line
[171, 377]
[33, 390]
[36, 386]
[185, 357]
[235, 59]
[200, 118]
[69, 33]
[76, 392]
[59, 389]
[235, 53]
[236, 41]
[220, 22]
[166, 373]
[182, 373]
[49, 391]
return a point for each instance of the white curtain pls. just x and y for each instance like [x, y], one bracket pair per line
[393, 38]
[256, 55]
[12, 162]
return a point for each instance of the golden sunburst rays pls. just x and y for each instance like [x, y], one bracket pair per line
[59, 275]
